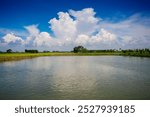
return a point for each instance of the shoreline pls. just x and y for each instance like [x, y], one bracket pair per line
[20, 56]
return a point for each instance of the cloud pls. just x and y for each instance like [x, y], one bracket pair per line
[64, 27]
[132, 32]
[82, 39]
[106, 35]
[22, 32]
[79, 28]
[33, 33]
[102, 36]
[37, 38]
[82, 27]
[12, 39]
[32, 29]
[42, 39]
[85, 20]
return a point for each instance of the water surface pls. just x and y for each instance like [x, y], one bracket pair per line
[76, 77]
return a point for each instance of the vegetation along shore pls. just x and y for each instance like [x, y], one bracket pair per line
[77, 51]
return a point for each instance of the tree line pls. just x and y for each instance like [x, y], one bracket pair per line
[31, 51]
[26, 51]
[81, 49]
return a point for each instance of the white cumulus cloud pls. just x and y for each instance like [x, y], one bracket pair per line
[12, 38]
[132, 32]
[42, 39]
[63, 27]
[86, 22]
[32, 29]
[82, 27]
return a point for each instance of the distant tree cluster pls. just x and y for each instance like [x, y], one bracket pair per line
[146, 50]
[129, 52]
[9, 51]
[137, 52]
[31, 51]
[79, 49]
[109, 50]
[45, 51]
[84, 50]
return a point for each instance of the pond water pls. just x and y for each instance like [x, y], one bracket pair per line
[76, 77]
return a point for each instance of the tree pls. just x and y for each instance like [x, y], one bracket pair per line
[79, 49]
[31, 51]
[9, 51]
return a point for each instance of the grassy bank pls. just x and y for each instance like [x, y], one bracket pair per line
[19, 56]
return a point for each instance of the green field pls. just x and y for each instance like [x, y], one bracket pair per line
[19, 56]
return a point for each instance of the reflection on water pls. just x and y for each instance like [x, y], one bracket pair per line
[76, 77]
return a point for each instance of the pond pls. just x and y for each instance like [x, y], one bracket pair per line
[76, 77]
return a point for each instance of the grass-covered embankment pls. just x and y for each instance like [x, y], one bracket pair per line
[19, 56]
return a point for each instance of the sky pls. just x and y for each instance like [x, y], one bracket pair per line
[63, 24]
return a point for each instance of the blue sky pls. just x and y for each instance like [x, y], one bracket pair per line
[19, 19]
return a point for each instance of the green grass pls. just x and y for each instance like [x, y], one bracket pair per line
[19, 56]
